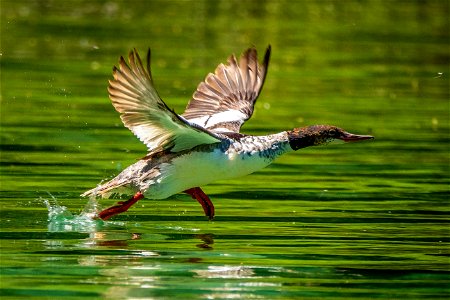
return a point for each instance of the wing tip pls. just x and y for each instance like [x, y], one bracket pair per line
[149, 70]
[122, 62]
[267, 55]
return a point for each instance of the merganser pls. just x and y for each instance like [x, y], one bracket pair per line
[204, 143]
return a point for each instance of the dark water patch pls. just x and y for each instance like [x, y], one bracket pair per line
[45, 293]
[307, 257]
[332, 194]
[390, 273]
[283, 219]
[33, 148]
[393, 212]
[38, 164]
[43, 235]
[309, 238]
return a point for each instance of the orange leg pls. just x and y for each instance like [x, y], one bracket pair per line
[120, 208]
[197, 194]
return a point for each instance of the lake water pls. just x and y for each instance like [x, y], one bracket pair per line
[366, 220]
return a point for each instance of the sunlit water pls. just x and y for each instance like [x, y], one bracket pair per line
[366, 220]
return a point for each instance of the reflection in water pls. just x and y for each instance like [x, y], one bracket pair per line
[101, 239]
[207, 239]
[129, 279]
[117, 258]
[236, 281]
[225, 272]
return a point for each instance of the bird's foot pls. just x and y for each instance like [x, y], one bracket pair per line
[197, 194]
[121, 207]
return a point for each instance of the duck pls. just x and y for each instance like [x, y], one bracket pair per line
[204, 144]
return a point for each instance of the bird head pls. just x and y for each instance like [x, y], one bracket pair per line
[321, 134]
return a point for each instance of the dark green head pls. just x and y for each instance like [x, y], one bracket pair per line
[321, 134]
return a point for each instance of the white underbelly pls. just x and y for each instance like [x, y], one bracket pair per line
[200, 168]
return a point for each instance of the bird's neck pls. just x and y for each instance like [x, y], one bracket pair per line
[268, 147]
[315, 135]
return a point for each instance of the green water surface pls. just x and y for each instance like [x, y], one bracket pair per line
[366, 220]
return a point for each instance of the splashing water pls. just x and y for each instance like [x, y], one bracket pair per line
[61, 219]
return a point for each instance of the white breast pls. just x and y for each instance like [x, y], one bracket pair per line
[198, 168]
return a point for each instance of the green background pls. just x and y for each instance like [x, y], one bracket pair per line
[367, 220]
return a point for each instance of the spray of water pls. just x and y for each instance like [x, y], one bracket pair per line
[61, 219]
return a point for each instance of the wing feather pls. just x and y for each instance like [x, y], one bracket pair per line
[142, 110]
[226, 99]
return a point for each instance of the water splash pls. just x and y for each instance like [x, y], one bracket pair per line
[60, 219]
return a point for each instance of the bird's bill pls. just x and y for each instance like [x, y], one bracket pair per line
[350, 137]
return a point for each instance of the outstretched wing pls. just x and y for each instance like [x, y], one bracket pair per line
[146, 115]
[225, 99]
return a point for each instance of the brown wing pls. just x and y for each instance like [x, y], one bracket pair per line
[141, 109]
[225, 99]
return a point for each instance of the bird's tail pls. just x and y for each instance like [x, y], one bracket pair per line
[105, 190]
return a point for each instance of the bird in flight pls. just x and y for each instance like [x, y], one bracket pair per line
[204, 144]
